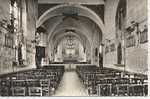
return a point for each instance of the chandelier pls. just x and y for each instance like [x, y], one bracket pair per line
[70, 42]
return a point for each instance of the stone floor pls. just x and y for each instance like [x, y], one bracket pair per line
[71, 85]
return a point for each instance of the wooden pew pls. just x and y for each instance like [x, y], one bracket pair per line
[111, 82]
[5, 85]
[35, 82]
[104, 89]
[18, 88]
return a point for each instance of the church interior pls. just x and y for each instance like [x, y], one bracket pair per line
[73, 48]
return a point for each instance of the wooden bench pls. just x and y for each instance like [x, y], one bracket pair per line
[111, 82]
[35, 82]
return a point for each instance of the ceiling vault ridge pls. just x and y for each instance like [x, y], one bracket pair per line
[84, 11]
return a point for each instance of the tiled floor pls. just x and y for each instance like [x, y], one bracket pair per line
[71, 85]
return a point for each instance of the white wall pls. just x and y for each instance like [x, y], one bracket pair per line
[135, 57]
[7, 55]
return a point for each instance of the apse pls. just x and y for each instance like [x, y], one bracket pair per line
[69, 48]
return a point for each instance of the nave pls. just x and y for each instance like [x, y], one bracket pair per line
[71, 85]
[73, 48]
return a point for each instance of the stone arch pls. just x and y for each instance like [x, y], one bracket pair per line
[84, 11]
[110, 14]
[78, 31]
[60, 37]
[121, 3]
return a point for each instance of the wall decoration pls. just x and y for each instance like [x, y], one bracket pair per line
[29, 46]
[144, 35]
[130, 41]
[112, 47]
[106, 49]
[9, 40]
[1, 38]
[96, 52]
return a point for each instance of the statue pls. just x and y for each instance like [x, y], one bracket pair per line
[21, 48]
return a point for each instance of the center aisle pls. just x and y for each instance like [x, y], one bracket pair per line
[71, 85]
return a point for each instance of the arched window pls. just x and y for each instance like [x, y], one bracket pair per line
[121, 14]
[120, 29]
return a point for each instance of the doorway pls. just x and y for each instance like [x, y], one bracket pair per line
[119, 53]
[40, 53]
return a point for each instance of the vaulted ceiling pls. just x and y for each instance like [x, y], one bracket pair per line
[84, 17]
[93, 2]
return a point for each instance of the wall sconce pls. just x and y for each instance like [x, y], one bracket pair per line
[33, 41]
[8, 26]
[129, 29]
[37, 38]
[145, 28]
[134, 23]
[108, 40]
[132, 27]
[4, 24]
[102, 44]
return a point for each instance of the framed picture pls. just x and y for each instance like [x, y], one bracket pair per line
[144, 36]
[1, 38]
[112, 47]
[130, 41]
[106, 49]
[29, 47]
[9, 40]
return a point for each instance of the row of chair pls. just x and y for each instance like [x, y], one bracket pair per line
[35, 82]
[110, 82]
[75, 62]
